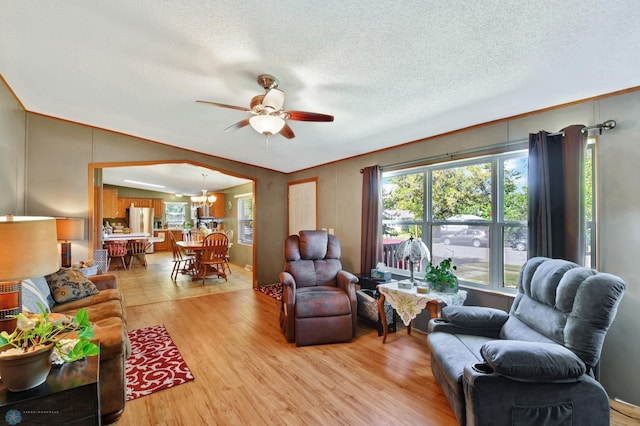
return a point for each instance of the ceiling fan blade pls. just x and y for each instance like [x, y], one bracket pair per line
[287, 132]
[238, 125]
[274, 99]
[225, 106]
[308, 116]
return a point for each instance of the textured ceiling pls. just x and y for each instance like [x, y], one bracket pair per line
[389, 71]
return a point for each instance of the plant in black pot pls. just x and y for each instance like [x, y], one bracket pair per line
[25, 354]
[441, 277]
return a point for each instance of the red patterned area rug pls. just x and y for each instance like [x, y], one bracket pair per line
[272, 290]
[155, 362]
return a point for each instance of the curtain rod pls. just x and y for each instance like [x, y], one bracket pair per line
[489, 149]
[607, 125]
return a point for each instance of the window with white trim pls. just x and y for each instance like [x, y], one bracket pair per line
[174, 213]
[473, 211]
[245, 220]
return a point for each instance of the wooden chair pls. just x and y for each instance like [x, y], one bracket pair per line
[192, 235]
[137, 250]
[116, 250]
[181, 261]
[214, 250]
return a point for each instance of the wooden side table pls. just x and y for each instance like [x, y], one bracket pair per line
[69, 396]
[408, 303]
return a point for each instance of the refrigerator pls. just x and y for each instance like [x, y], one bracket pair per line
[141, 221]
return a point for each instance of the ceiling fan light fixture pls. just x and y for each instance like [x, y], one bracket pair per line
[266, 124]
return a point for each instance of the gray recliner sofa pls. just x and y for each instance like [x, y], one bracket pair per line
[536, 364]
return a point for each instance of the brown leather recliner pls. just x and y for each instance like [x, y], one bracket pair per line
[319, 302]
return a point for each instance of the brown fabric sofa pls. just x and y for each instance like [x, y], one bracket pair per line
[108, 314]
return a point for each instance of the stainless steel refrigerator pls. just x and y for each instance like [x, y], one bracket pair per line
[141, 220]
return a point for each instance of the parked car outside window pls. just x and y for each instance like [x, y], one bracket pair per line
[519, 244]
[474, 237]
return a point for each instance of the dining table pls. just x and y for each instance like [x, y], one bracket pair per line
[196, 248]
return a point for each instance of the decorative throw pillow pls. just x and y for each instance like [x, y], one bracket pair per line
[34, 291]
[70, 284]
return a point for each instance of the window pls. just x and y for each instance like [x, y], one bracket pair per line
[174, 214]
[245, 220]
[455, 209]
[474, 211]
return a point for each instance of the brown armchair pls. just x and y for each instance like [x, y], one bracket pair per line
[319, 302]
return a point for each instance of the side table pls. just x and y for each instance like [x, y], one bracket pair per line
[69, 396]
[368, 313]
[409, 303]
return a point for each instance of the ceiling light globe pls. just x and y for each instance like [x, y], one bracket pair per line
[266, 124]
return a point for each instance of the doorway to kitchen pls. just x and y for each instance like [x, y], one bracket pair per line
[169, 182]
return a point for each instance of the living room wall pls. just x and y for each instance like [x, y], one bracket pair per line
[340, 193]
[12, 152]
[52, 177]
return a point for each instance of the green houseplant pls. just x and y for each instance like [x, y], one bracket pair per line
[441, 276]
[25, 354]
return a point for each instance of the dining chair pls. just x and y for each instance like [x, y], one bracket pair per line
[116, 250]
[192, 235]
[214, 250]
[181, 261]
[137, 250]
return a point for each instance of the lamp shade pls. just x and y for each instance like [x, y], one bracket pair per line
[29, 247]
[412, 251]
[266, 124]
[69, 228]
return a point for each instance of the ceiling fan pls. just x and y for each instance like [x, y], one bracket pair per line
[268, 116]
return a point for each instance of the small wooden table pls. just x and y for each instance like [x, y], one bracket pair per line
[408, 303]
[69, 396]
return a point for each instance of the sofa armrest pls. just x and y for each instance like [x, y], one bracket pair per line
[104, 281]
[474, 320]
[532, 361]
[492, 399]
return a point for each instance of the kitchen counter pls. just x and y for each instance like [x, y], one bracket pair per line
[130, 236]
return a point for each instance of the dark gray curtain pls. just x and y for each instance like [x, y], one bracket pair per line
[556, 194]
[371, 247]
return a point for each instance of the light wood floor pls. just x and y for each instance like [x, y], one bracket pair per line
[246, 373]
[153, 284]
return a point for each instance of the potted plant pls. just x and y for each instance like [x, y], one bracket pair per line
[441, 277]
[25, 354]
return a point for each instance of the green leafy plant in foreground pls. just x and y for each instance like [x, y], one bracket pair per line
[41, 329]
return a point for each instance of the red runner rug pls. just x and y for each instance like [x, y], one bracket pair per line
[155, 362]
[272, 290]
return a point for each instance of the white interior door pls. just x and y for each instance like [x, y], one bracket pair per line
[303, 205]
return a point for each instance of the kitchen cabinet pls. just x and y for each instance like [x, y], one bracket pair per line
[123, 205]
[162, 245]
[158, 207]
[217, 209]
[144, 202]
[156, 203]
[109, 203]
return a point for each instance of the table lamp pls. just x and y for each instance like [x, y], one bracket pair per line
[29, 249]
[411, 251]
[69, 228]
